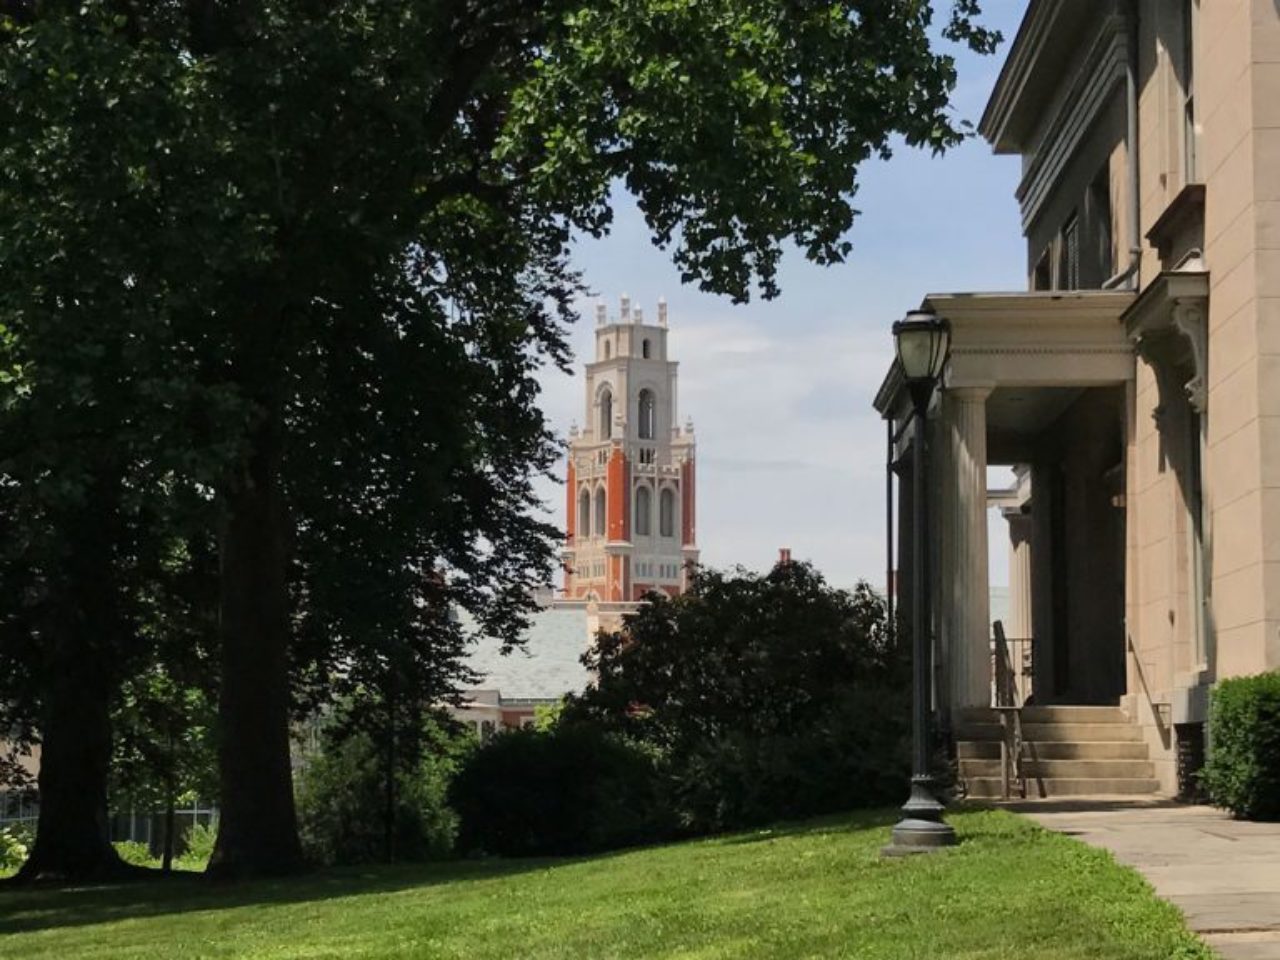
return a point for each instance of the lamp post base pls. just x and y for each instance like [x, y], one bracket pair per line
[921, 829]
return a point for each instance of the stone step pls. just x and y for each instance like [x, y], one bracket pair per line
[1064, 769]
[991, 787]
[1032, 732]
[1057, 750]
[1049, 714]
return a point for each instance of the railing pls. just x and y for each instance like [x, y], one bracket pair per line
[1012, 675]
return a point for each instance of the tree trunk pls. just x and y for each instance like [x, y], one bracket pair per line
[86, 636]
[72, 838]
[258, 828]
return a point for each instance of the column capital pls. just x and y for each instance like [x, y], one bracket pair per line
[972, 392]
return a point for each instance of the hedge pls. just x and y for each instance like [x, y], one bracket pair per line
[1242, 773]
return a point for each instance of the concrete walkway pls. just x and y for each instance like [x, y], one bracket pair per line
[1223, 874]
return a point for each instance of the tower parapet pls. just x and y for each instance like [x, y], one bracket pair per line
[630, 492]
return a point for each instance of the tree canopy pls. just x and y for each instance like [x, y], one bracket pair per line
[290, 268]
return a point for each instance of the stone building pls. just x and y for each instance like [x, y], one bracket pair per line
[630, 493]
[1135, 385]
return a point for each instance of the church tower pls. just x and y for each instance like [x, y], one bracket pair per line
[630, 507]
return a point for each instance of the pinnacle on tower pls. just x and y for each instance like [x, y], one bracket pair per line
[602, 313]
[662, 311]
[639, 315]
[625, 310]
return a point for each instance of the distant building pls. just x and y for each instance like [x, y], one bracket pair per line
[630, 512]
[539, 674]
[630, 507]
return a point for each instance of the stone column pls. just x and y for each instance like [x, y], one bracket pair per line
[966, 589]
[1019, 626]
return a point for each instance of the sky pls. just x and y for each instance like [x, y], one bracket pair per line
[790, 450]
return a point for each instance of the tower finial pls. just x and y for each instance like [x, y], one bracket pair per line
[662, 311]
[639, 315]
[602, 313]
[625, 309]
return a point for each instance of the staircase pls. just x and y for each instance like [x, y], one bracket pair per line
[1066, 752]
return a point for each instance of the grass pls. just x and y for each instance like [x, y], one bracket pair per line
[816, 889]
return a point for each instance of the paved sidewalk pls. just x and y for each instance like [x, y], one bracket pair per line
[1223, 874]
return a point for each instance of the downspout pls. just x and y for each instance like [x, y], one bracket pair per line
[1128, 277]
[889, 579]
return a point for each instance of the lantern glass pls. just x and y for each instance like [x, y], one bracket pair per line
[921, 341]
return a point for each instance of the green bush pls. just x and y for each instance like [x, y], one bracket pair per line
[14, 846]
[133, 852]
[855, 755]
[198, 846]
[1243, 769]
[571, 789]
[342, 805]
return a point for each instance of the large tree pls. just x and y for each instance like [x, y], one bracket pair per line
[258, 192]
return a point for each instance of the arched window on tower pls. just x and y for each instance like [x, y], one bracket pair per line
[584, 514]
[644, 512]
[644, 349]
[606, 414]
[648, 415]
[667, 513]
[601, 513]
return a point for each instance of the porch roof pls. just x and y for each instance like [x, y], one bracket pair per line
[1041, 338]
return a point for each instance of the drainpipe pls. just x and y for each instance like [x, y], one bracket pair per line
[889, 579]
[1127, 278]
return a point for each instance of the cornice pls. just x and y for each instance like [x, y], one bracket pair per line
[1032, 35]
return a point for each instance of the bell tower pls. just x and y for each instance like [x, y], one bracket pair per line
[630, 505]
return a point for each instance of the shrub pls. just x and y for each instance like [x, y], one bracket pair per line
[342, 804]
[572, 789]
[136, 853]
[198, 846]
[14, 844]
[856, 755]
[1243, 768]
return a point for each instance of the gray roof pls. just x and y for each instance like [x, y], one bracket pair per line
[546, 668]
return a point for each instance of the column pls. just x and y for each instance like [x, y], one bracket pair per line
[967, 610]
[1019, 629]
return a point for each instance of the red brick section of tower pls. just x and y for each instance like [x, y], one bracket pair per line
[630, 501]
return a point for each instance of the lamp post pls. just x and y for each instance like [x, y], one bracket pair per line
[921, 340]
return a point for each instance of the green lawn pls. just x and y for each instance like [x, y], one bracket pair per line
[819, 889]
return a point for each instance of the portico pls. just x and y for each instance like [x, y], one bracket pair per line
[1038, 380]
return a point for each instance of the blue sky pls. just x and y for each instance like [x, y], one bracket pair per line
[790, 451]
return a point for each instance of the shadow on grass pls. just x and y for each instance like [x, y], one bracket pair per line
[26, 909]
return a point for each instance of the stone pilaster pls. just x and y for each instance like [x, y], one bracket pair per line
[966, 598]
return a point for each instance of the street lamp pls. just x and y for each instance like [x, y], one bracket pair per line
[921, 340]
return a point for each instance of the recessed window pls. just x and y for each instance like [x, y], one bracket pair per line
[584, 514]
[644, 349]
[667, 513]
[648, 415]
[644, 512]
[601, 512]
[606, 414]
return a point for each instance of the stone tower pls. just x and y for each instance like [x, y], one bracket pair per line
[630, 507]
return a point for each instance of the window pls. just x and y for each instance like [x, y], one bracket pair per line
[608, 349]
[584, 514]
[648, 415]
[644, 349]
[1100, 213]
[647, 455]
[601, 515]
[606, 414]
[1190, 133]
[667, 513]
[1069, 256]
[1042, 278]
[644, 512]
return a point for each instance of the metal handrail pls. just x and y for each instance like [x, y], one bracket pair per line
[1008, 705]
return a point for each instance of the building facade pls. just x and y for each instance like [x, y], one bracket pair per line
[631, 503]
[1133, 385]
